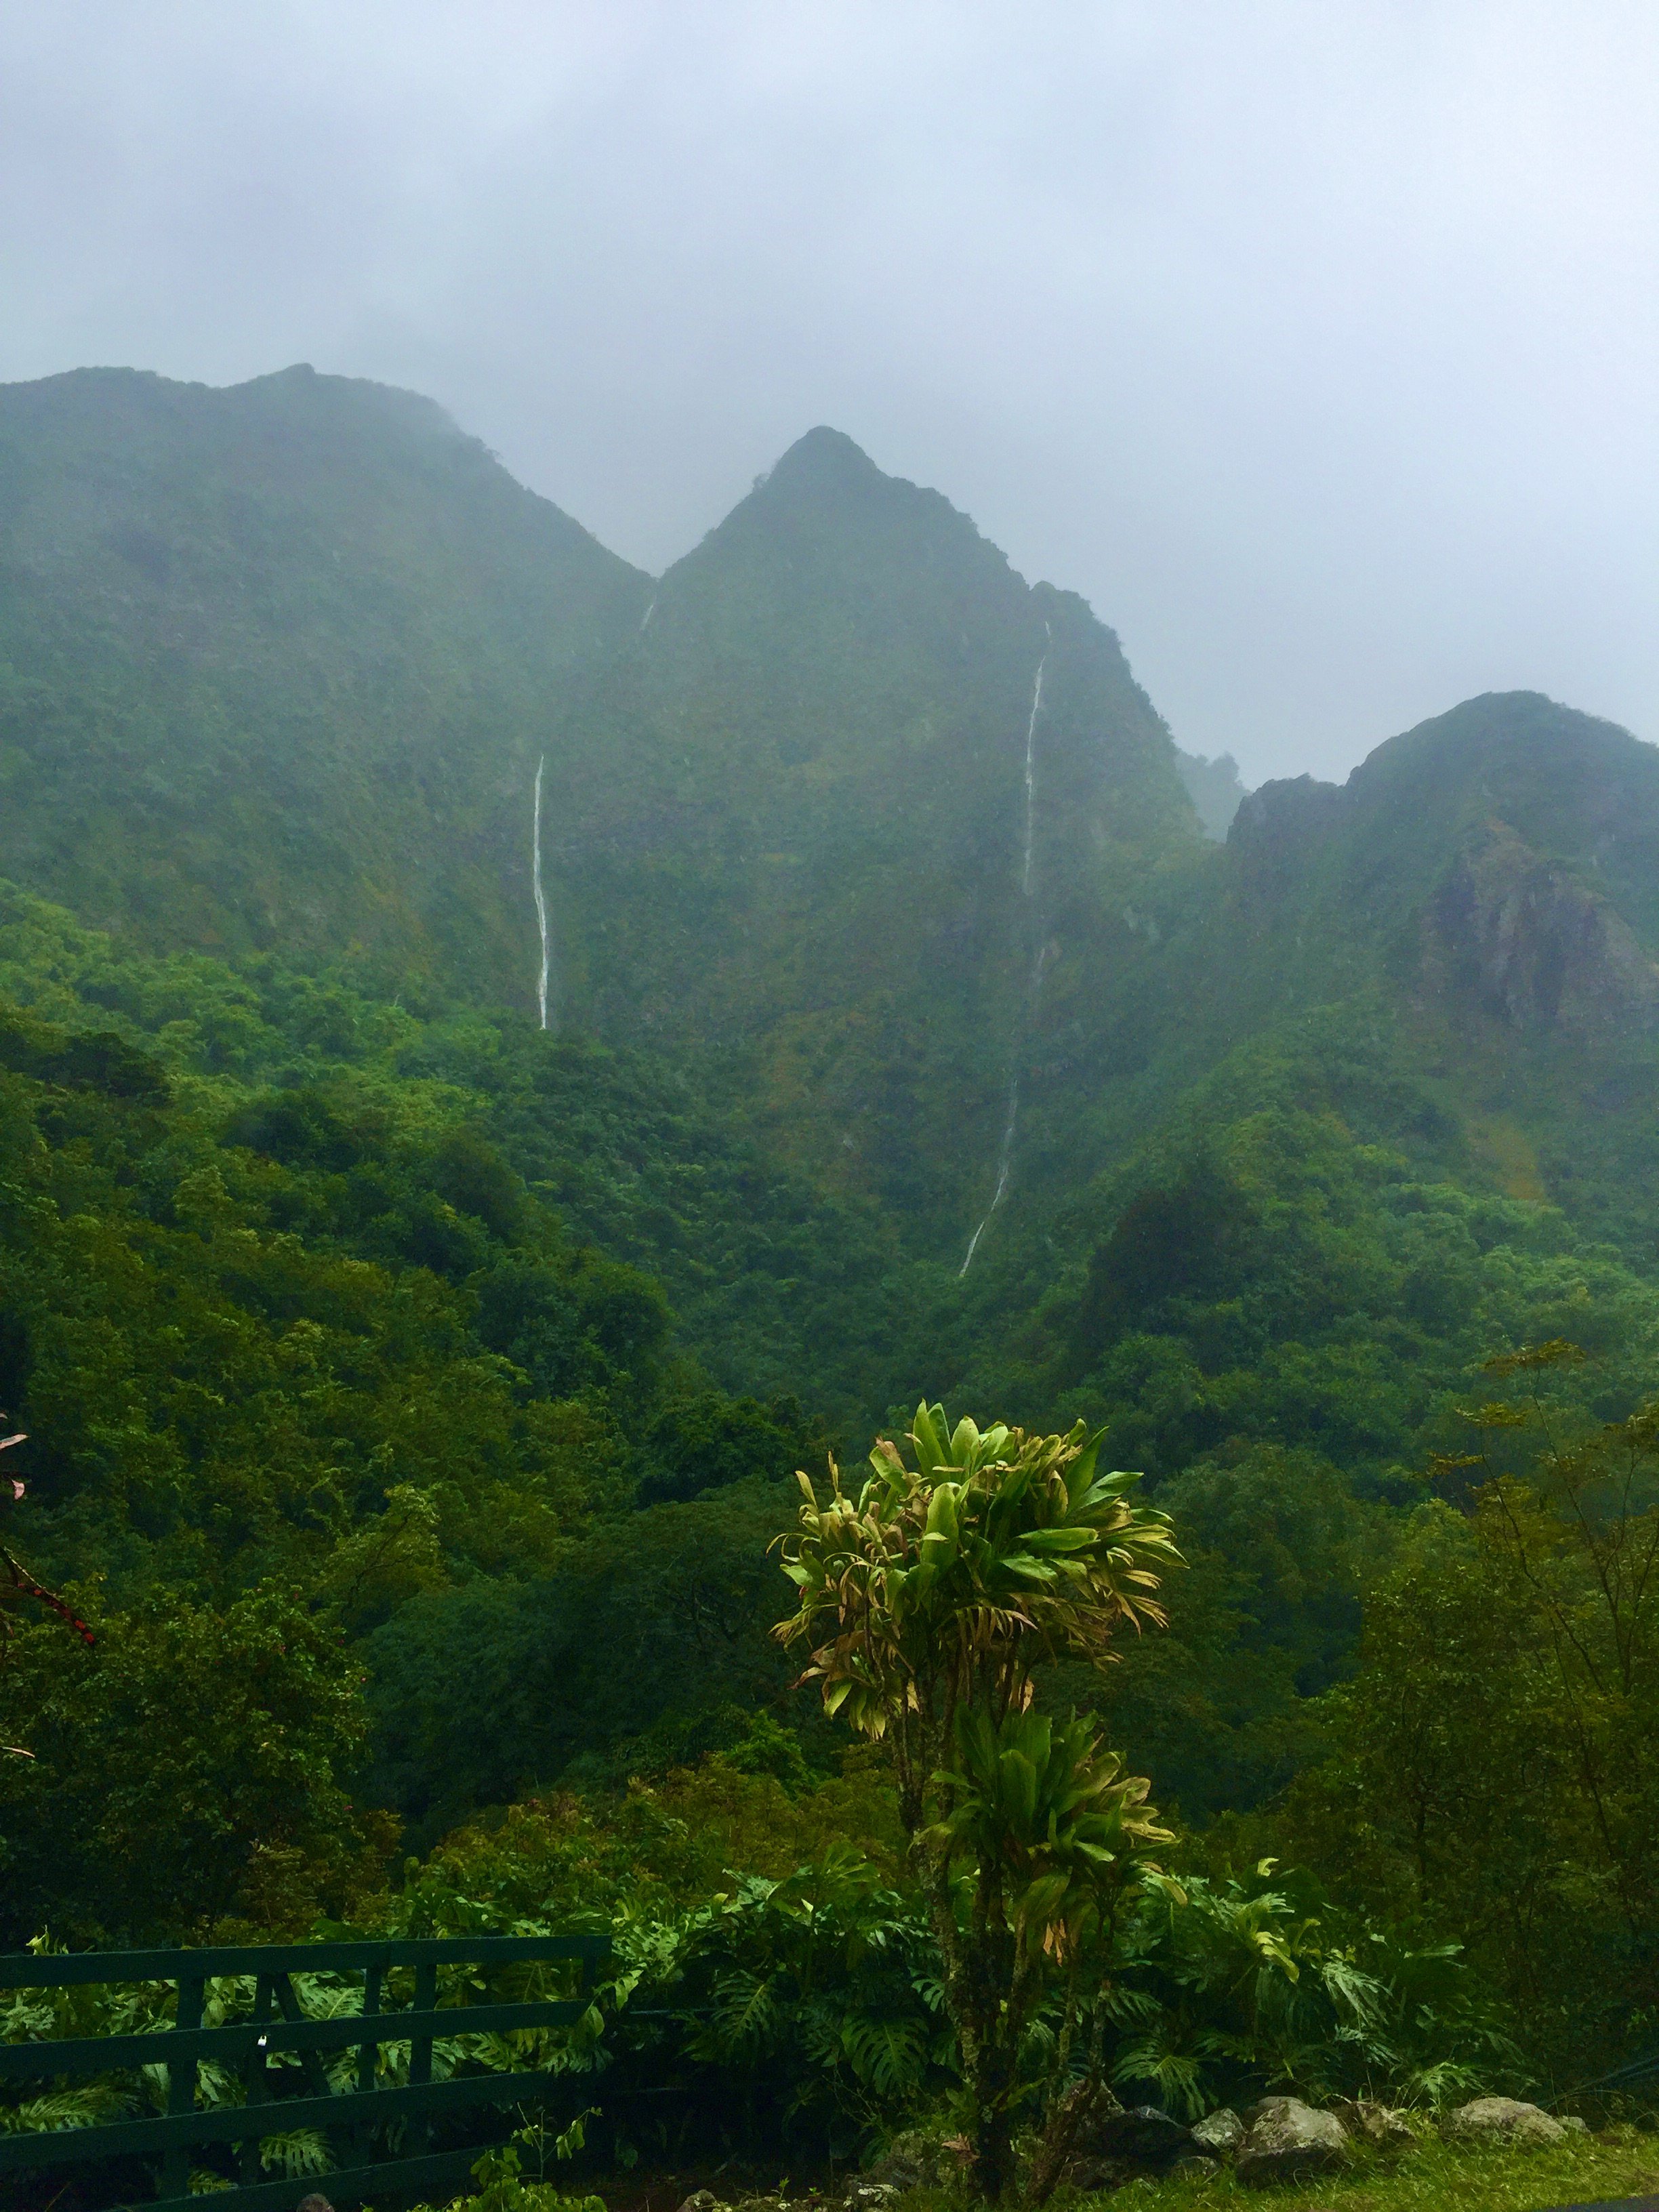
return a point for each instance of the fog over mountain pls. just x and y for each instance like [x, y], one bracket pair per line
[1313, 347]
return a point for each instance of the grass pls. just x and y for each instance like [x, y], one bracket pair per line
[1621, 2162]
[1433, 2178]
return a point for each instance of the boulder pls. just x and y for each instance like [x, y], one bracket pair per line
[1219, 2133]
[1574, 2124]
[702, 2200]
[1501, 2120]
[919, 2160]
[1138, 2136]
[1382, 2126]
[1287, 2139]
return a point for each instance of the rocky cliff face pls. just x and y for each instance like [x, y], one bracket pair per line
[1520, 940]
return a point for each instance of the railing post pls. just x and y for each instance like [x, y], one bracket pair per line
[181, 2085]
[369, 2054]
[420, 2056]
[256, 2078]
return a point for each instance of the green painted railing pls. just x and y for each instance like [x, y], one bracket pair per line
[354, 2118]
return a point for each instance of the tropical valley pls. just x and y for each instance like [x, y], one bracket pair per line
[507, 1063]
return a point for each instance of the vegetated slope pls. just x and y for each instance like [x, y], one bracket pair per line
[821, 822]
[280, 663]
[1488, 885]
[276, 665]
[1377, 1102]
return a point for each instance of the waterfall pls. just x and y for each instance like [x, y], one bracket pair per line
[1005, 1161]
[645, 620]
[1030, 774]
[1034, 988]
[540, 896]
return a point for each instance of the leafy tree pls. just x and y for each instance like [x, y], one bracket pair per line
[937, 1592]
[187, 1776]
[1493, 1767]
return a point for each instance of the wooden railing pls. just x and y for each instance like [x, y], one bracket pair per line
[400, 2003]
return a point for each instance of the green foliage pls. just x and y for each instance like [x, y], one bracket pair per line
[186, 1777]
[942, 1587]
[1493, 1768]
[944, 1582]
[1254, 1984]
[650, 1646]
[408, 1393]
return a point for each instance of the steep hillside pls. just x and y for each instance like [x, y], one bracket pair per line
[884, 843]
[276, 664]
[1380, 1009]
[859, 812]
[842, 807]
[1493, 876]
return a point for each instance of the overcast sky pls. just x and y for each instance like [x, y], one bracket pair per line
[1314, 343]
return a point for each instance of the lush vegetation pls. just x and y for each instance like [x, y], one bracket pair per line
[407, 1417]
[412, 1399]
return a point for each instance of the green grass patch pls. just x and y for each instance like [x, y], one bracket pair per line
[1434, 2179]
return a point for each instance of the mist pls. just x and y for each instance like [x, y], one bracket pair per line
[1315, 347]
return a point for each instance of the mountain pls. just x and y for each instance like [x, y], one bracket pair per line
[1491, 879]
[276, 664]
[841, 806]
[880, 846]
[922, 1018]
[857, 814]
[1214, 788]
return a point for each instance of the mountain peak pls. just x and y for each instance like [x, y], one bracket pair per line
[825, 458]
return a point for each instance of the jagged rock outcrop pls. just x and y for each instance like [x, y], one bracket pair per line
[1509, 933]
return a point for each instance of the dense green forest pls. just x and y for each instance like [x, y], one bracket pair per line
[411, 1396]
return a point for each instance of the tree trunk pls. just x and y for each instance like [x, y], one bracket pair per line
[993, 2167]
[1066, 2123]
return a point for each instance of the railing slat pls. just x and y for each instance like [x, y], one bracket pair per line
[181, 2085]
[233, 2123]
[392, 2178]
[27, 1970]
[233, 2043]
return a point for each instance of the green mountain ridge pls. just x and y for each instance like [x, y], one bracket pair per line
[797, 814]
[282, 663]
[275, 665]
[881, 845]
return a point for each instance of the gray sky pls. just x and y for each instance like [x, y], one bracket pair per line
[1313, 340]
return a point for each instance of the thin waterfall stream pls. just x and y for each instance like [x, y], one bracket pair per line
[540, 896]
[1033, 990]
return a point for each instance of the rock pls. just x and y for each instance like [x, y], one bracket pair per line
[1574, 2125]
[1094, 2177]
[1382, 2126]
[917, 2160]
[1501, 2120]
[1219, 2133]
[1196, 2169]
[1139, 2136]
[702, 2200]
[1288, 2139]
